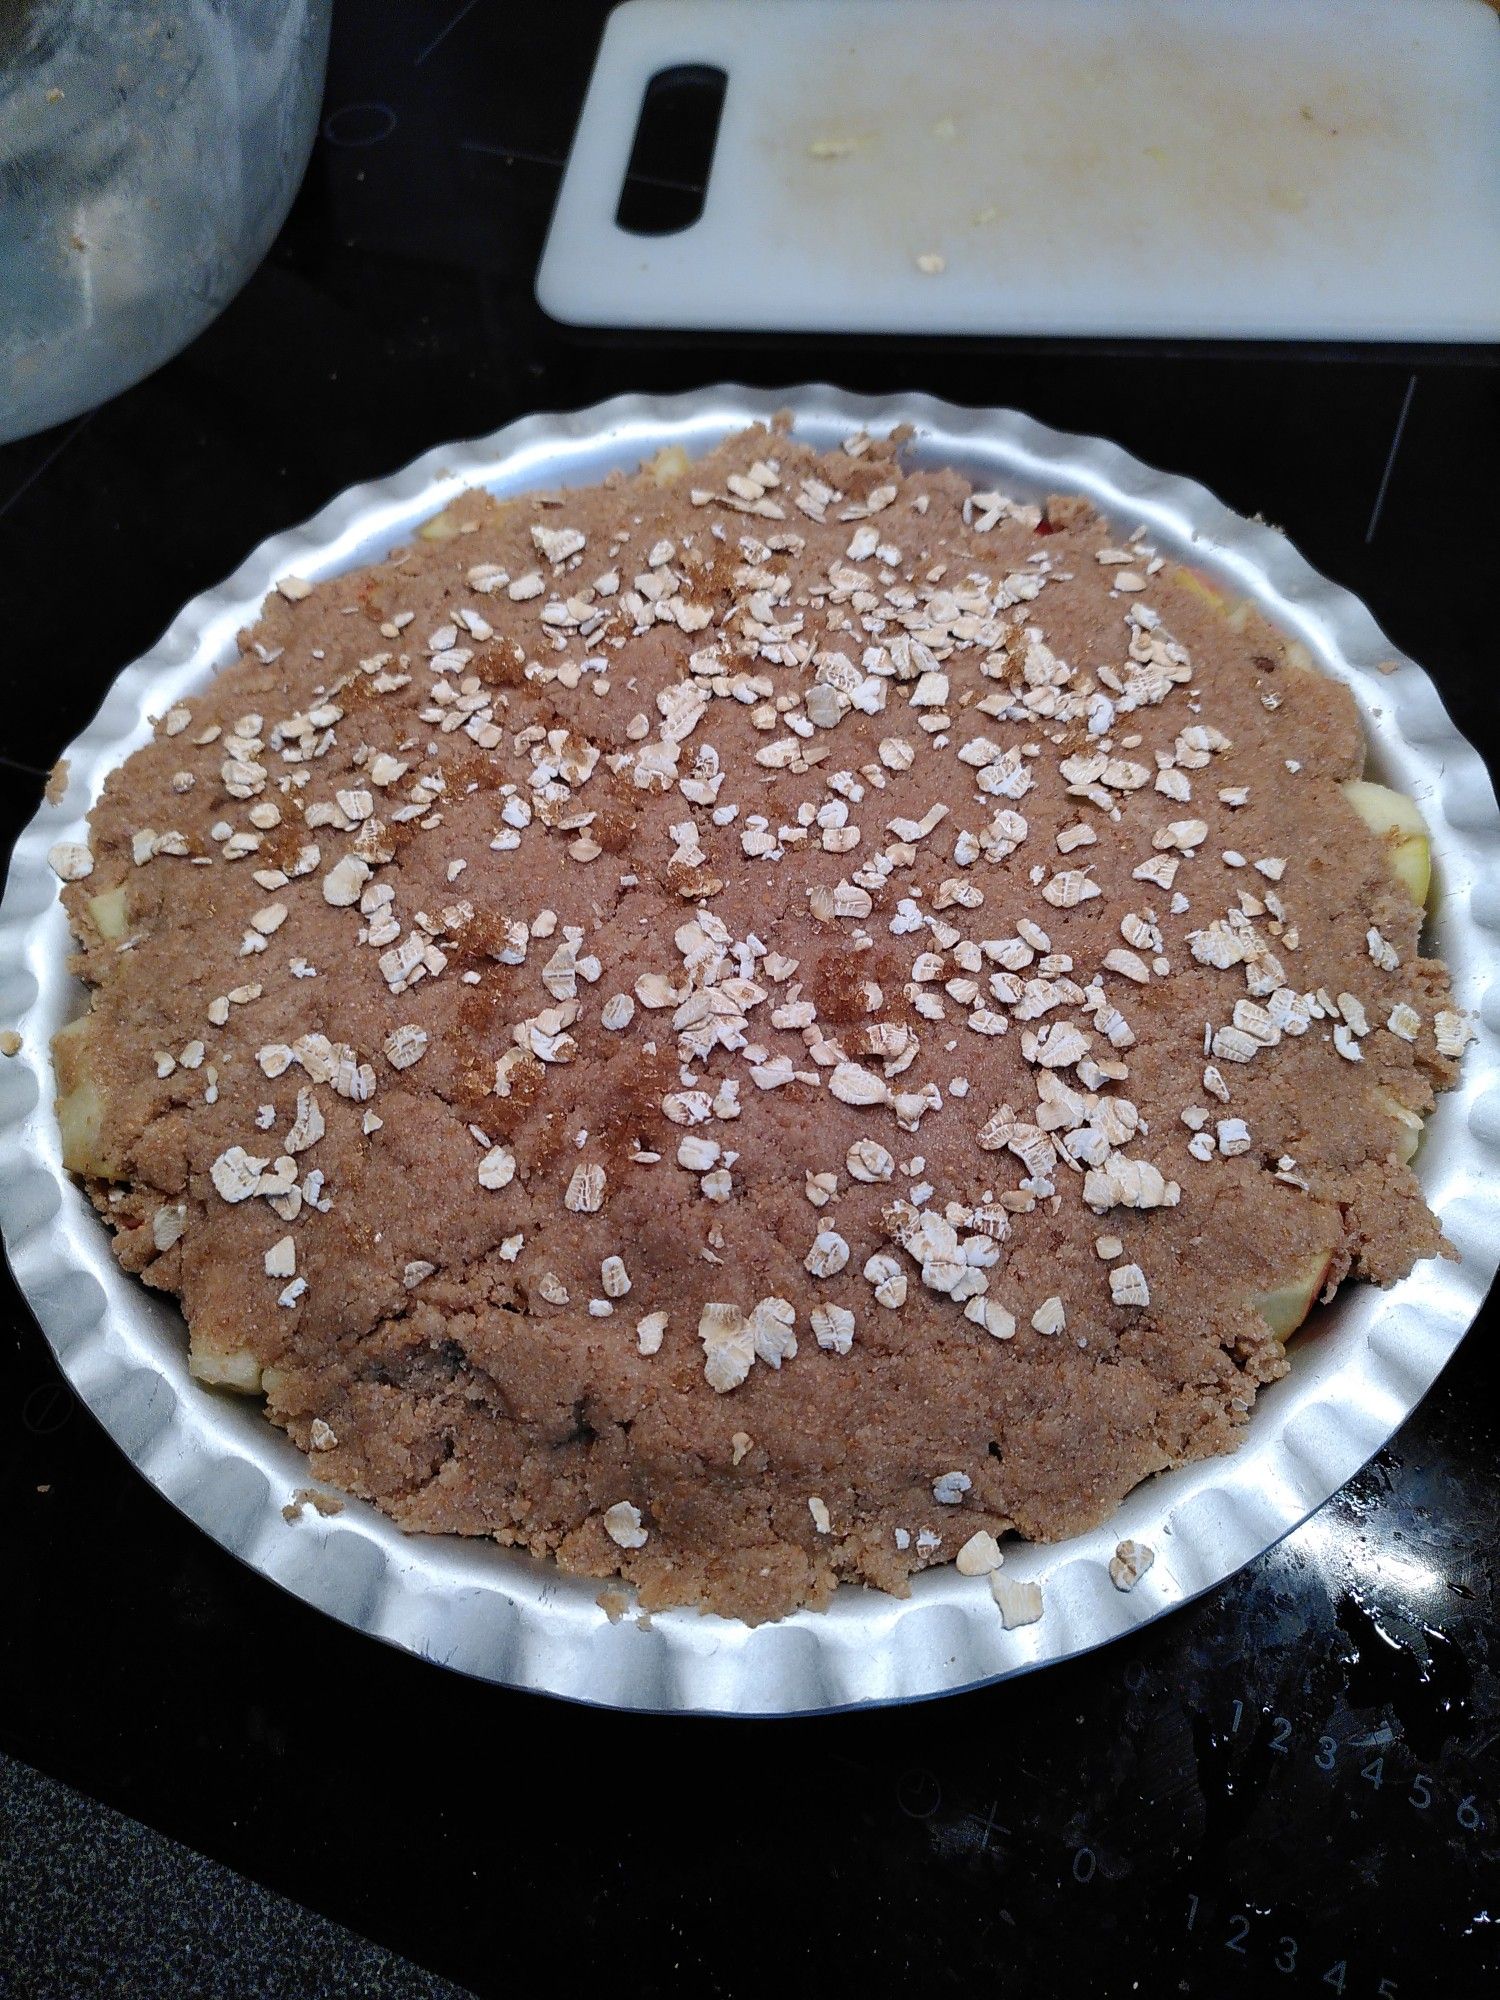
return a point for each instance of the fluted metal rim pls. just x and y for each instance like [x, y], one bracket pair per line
[505, 1617]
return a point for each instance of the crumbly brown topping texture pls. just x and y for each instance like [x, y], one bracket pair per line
[752, 1025]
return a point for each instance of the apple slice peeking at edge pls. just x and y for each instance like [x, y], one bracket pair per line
[109, 913]
[1408, 1126]
[1397, 823]
[80, 1107]
[224, 1368]
[1285, 1308]
[1235, 610]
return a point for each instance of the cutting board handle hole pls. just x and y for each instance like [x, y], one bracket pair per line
[666, 181]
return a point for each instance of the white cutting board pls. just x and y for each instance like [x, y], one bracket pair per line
[1283, 169]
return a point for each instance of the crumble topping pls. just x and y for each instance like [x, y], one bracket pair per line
[785, 973]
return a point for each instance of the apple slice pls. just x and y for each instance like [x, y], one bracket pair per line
[224, 1367]
[1397, 823]
[1408, 1125]
[80, 1107]
[1236, 611]
[1285, 1308]
[1195, 581]
[668, 466]
[108, 912]
[441, 528]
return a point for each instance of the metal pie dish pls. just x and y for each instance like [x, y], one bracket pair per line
[1359, 1366]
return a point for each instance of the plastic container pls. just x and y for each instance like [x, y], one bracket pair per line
[148, 156]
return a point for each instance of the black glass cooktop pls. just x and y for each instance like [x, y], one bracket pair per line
[1291, 1786]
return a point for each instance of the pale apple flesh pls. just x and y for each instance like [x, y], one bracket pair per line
[669, 464]
[1408, 1126]
[1285, 1308]
[224, 1368]
[1237, 613]
[1195, 581]
[108, 913]
[444, 527]
[441, 528]
[1397, 823]
[80, 1105]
